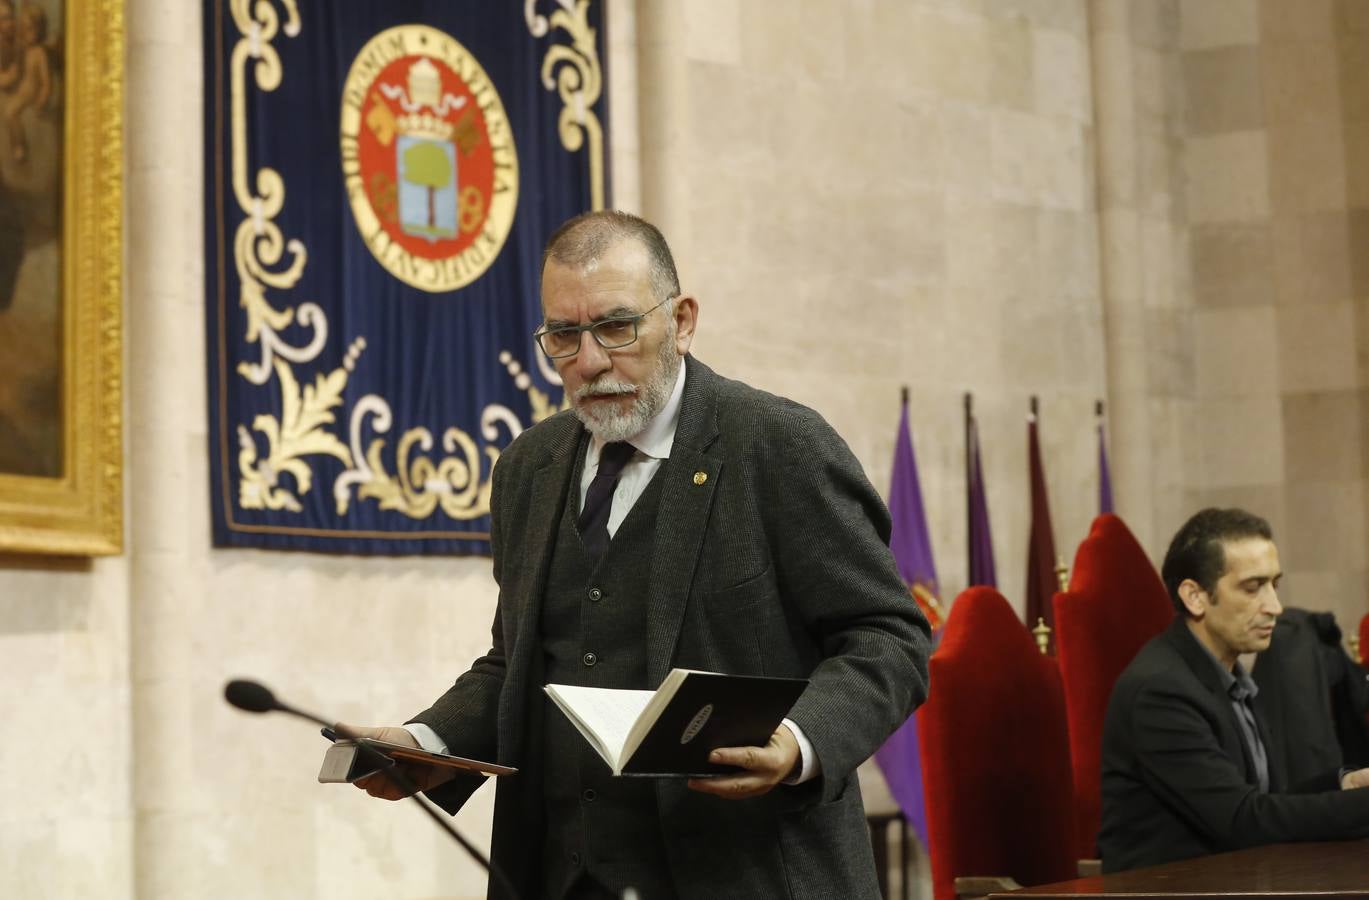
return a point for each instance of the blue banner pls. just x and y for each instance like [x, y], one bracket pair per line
[380, 178]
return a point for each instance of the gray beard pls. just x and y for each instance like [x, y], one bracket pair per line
[609, 423]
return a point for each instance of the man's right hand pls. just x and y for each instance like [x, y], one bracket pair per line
[1359, 778]
[379, 784]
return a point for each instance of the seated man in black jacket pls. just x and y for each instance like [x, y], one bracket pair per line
[1189, 768]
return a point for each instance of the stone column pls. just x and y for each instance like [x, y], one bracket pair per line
[1145, 302]
[663, 96]
[166, 427]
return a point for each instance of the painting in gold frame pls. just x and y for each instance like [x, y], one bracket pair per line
[61, 245]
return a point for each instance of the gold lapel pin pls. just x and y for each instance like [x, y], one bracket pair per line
[700, 477]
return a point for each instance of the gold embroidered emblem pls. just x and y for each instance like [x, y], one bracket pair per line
[428, 158]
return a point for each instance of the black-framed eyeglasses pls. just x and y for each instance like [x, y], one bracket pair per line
[612, 334]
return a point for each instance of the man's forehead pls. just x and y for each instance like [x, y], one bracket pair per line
[609, 281]
[1249, 557]
[625, 254]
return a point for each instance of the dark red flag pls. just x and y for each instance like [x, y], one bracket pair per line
[1041, 579]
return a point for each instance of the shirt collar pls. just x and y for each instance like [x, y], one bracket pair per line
[1237, 683]
[658, 437]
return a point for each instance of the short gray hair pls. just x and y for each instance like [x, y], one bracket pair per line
[589, 235]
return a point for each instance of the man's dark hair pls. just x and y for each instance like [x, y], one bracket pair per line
[589, 235]
[1196, 551]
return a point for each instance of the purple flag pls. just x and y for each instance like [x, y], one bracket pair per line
[1104, 474]
[982, 571]
[899, 758]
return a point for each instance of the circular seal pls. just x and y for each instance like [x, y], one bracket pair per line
[427, 158]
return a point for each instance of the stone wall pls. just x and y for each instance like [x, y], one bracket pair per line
[872, 195]
[1277, 116]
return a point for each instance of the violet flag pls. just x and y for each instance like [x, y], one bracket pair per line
[982, 571]
[900, 758]
[1104, 473]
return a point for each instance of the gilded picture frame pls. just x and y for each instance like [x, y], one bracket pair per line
[72, 504]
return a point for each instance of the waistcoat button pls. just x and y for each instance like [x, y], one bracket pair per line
[595, 594]
[591, 658]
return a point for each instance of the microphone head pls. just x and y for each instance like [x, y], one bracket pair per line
[250, 696]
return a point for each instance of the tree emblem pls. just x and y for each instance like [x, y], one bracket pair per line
[426, 165]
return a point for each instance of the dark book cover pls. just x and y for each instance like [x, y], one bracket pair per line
[709, 711]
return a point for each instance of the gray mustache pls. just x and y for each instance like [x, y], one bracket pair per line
[604, 387]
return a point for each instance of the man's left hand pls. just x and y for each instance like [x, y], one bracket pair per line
[765, 767]
[1359, 778]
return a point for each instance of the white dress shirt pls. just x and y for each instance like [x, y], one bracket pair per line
[653, 444]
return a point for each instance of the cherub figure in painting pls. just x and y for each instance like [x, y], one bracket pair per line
[28, 79]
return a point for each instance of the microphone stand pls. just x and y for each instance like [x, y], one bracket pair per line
[387, 767]
[396, 776]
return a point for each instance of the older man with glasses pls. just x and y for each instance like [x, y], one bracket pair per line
[675, 518]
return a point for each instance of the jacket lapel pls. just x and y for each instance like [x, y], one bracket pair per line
[546, 504]
[1201, 664]
[691, 480]
[535, 541]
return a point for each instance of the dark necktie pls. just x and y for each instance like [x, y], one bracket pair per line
[593, 522]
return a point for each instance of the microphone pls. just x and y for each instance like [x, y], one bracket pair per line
[255, 697]
[250, 696]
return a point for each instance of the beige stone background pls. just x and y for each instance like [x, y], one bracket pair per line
[1159, 203]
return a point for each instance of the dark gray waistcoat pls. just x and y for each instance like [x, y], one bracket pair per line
[593, 633]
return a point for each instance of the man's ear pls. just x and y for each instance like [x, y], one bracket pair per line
[686, 311]
[1193, 597]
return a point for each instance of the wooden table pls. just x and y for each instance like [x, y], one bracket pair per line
[1339, 869]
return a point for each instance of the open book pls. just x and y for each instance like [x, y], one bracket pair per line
[671, 731]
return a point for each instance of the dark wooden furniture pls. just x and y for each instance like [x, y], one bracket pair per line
[880, 823]
[1339, 869]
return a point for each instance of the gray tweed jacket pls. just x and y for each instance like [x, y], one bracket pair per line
[774, 563]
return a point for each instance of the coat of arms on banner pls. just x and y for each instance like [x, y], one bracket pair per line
[428, 156]
[381, 178]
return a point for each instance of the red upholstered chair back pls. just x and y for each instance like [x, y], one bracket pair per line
[995, 753]
[1116, 602]
[1364, 641]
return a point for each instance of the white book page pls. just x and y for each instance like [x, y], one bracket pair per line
[660, 699]
[604, 715]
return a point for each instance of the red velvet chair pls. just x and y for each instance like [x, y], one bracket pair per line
[1362, 652]
[995, 752]
[1116, 602]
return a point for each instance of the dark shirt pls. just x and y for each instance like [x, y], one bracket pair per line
[1242, 690]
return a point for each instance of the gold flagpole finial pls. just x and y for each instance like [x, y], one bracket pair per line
[1354, 649]
[1042, 633]
[1062, 573]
